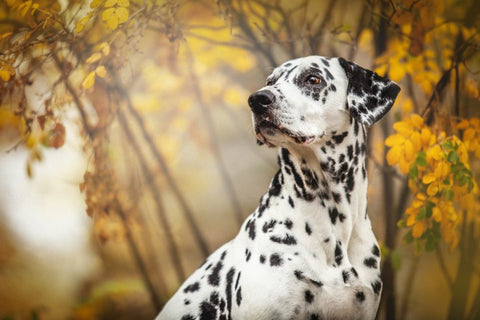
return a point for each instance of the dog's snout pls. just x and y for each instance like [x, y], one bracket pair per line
[260, 101]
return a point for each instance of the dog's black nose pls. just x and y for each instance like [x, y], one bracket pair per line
[260, 101]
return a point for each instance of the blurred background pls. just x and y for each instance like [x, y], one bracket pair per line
[127, 152]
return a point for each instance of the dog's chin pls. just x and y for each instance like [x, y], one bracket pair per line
[273, 135]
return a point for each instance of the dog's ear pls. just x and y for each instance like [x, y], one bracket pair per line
[369, 96]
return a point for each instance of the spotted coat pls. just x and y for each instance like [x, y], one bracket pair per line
[308, 250]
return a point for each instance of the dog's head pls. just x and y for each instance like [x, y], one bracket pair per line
[306, 99]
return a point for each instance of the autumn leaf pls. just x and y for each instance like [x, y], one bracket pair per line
[89, 80]
[101, 71]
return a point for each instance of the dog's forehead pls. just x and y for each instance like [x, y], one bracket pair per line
[296, 66]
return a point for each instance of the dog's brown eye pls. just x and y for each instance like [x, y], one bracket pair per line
[313, 80]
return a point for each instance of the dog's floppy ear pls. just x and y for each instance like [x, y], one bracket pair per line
[369, 96]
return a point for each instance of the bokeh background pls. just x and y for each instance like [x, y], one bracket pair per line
[127, 153]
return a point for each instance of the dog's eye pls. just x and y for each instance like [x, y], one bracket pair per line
[313, 80]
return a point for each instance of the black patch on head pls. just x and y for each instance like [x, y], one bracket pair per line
[370, 262]
[325, 62]
[308, 230]
[360, 296]
[290, 71]
[186, 302]
[378, 93]
[192, 287]
[207, 311]
[214, 277]
[275, 260]
[309, 296]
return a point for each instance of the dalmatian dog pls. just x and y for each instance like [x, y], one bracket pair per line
[308, 251]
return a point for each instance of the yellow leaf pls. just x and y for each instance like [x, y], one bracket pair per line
[24, 7]
[89, 80]
[403, 128]
[110, 3]
[94, 58]
[95, 4]
[394, 139]
[409, 151]
[101, 71]
[416, 120]
[393, 155]
[425, 136]
[4, 75]
[416, 141]
[105, 48]
[123, 3]
[418, 229]
[81, 24]
[108, 13]
[428, 178]
[122, 14]
[432, 189]
[404, 166]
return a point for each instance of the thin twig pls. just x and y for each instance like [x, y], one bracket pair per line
[227, 182]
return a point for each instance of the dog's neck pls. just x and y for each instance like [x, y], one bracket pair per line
[330, 176]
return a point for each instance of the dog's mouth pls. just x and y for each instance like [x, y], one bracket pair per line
[267, 127]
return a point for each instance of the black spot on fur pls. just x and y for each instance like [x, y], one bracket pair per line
[214, 277]
[338, 254]
[308, 230]
[345, 276]
[290, 202]
[262, 259]
[376, 250]
[275, 187]
[192, 288]
[377, 286]
[251, 229]
[288, 224]
[207, 311]
[238, 279]
[314, 316]
[239, 296]
[339, 137]
[186, 302]
[224, 254]
[354, 272]
[188, 317]
[360, 296]
[299, 274]
[316, 283]
[288, 240]
[370, 262]
[275, 260]
[214, 298]
[268, 226]
[228, 288]
[309, 296]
